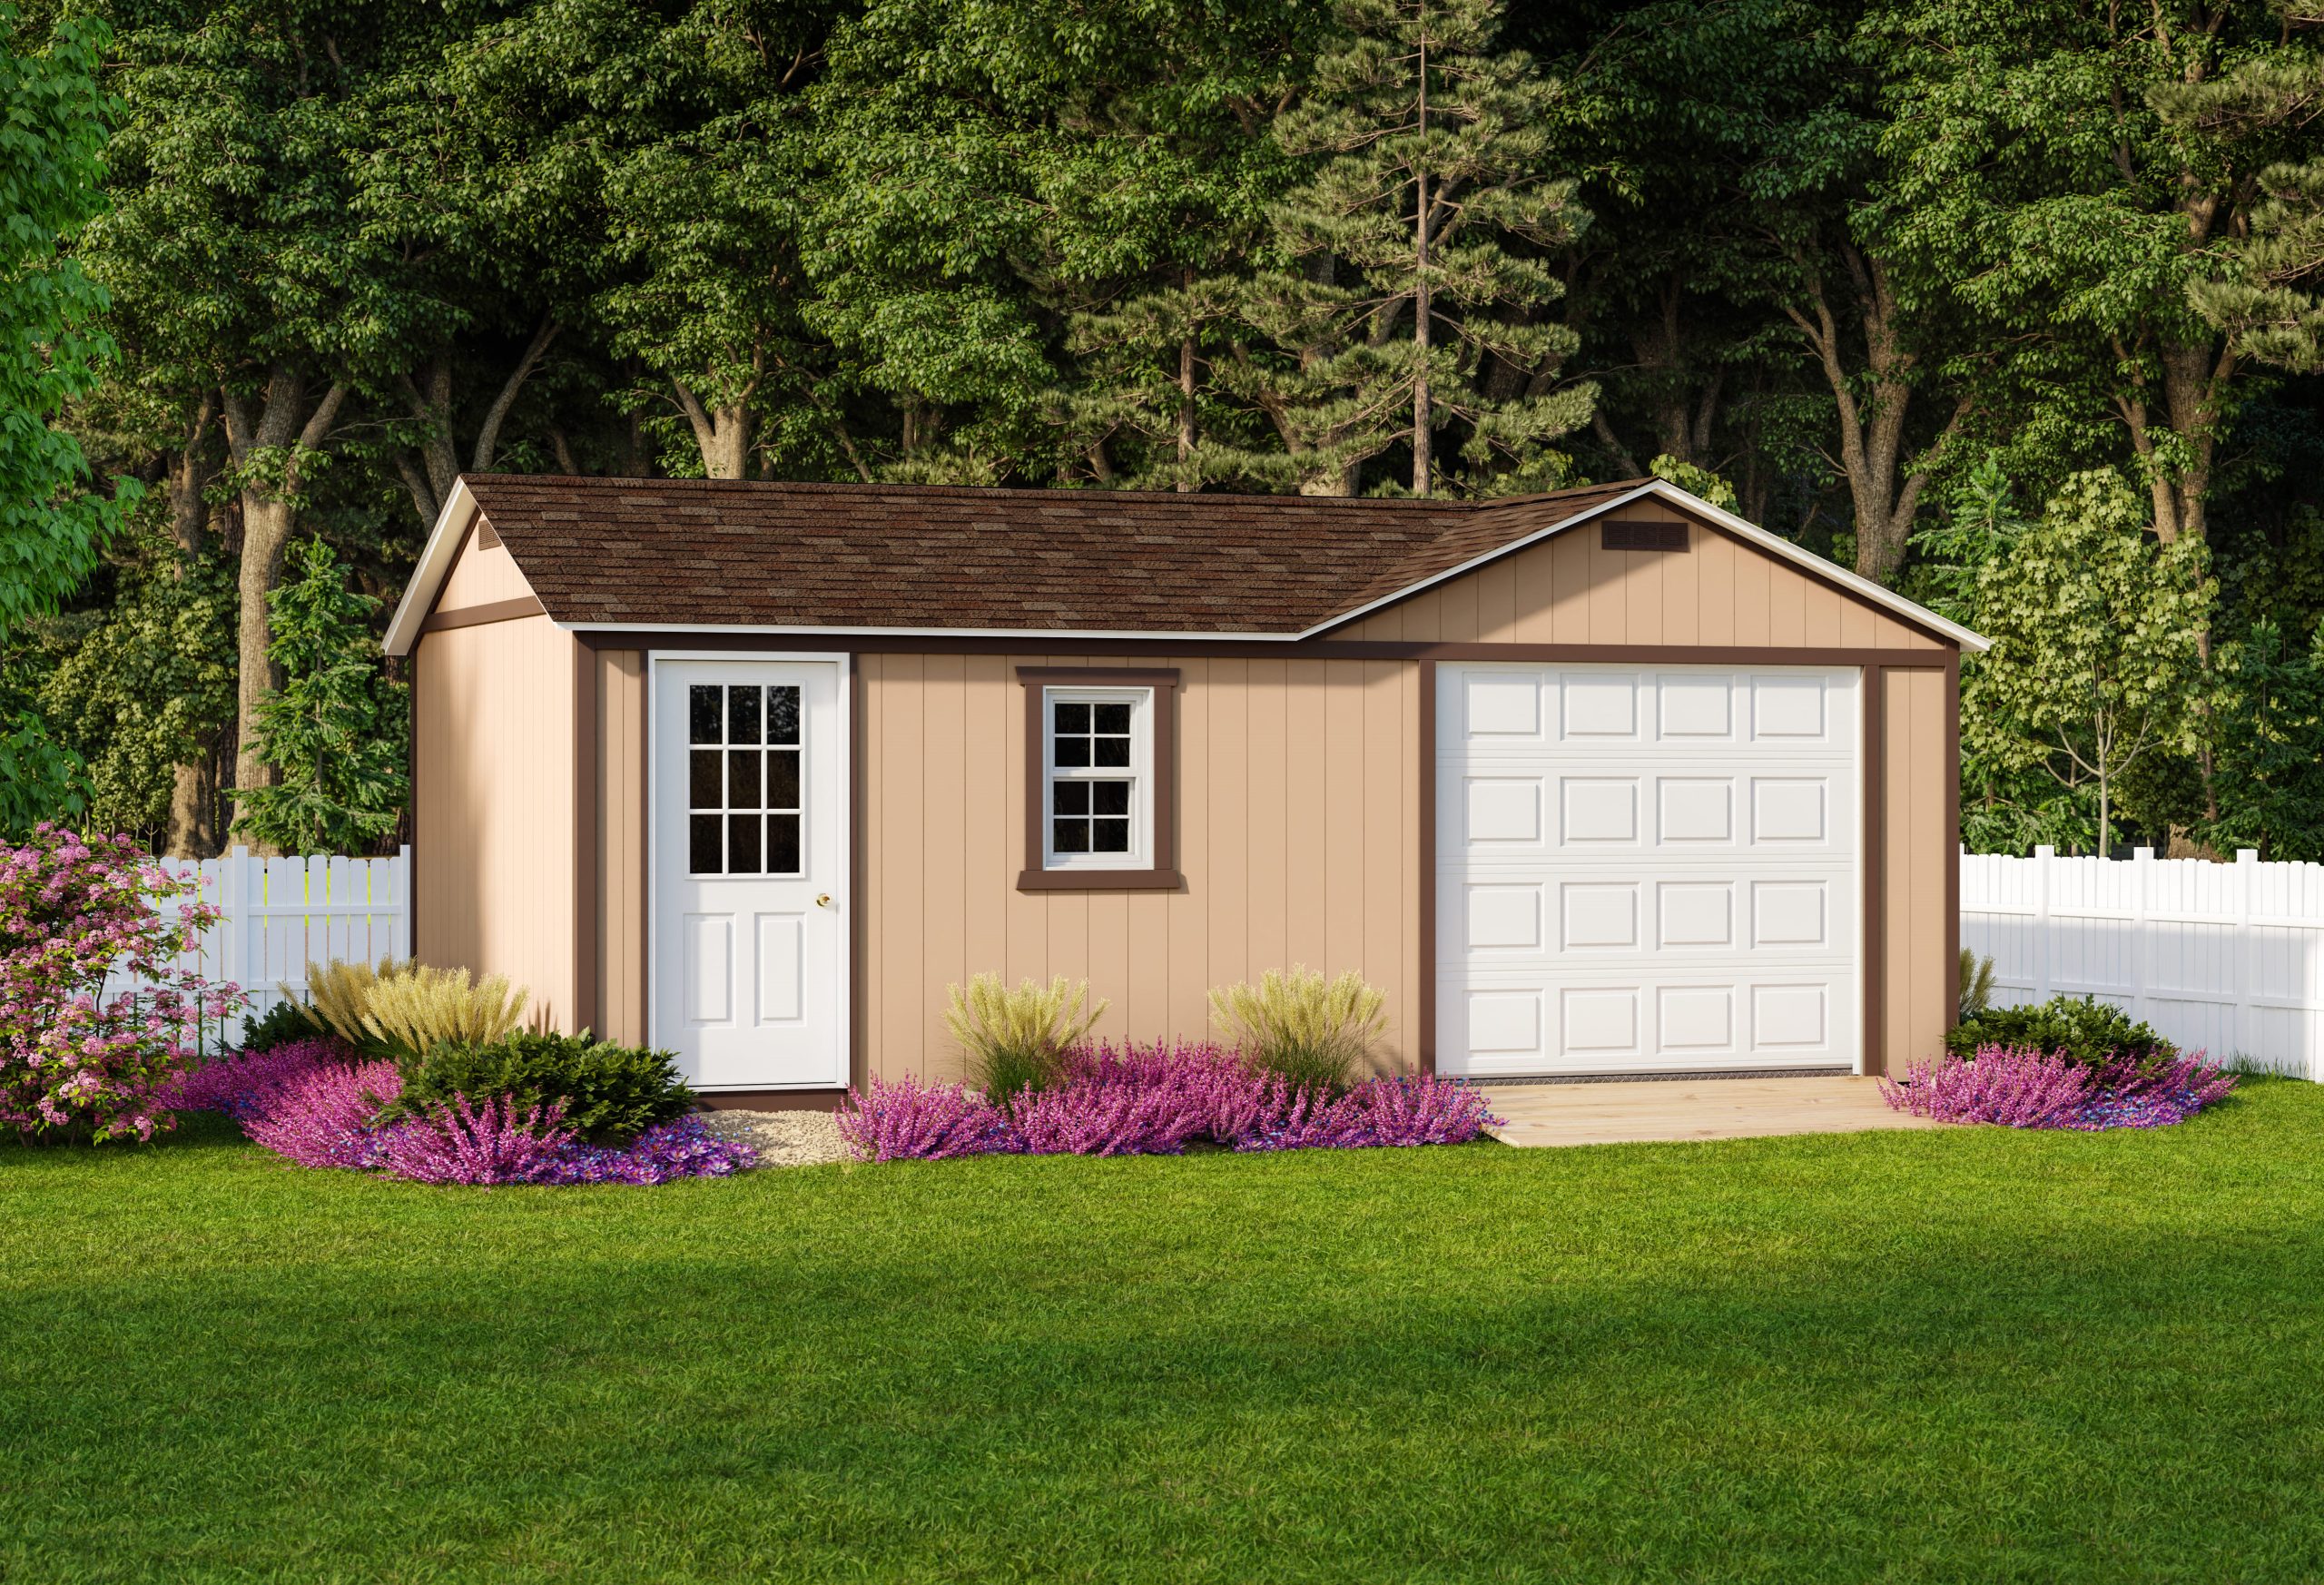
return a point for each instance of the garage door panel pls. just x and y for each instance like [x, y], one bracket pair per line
[1646, 868]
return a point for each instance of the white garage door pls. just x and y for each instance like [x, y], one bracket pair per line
[1646, 868]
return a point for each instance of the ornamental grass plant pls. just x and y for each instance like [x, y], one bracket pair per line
[1016, 1039]
[1315, 1033]
[411, 1011]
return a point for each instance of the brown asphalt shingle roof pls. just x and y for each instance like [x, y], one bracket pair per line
[664, 552]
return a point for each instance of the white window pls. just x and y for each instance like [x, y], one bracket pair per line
[1099, 792]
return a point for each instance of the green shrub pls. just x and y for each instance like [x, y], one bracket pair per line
[1318, 1033]
[2088, 1031]
[1017, 1040]
[611, 1093]
[284, 1022]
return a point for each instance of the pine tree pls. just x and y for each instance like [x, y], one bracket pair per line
[334, 731]
[1406, 307]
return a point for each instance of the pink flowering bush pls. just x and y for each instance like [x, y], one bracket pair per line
[2023, 1087]
[1154, 1100]
[73, 911]
[324, 1116]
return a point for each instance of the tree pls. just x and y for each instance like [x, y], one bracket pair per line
[2268, 297]
[139, 726]
[335, 730]
[2268, 721]
[53, 342]
[246, 285]
[1406, 305]
[2096, 660]
[2067, 174]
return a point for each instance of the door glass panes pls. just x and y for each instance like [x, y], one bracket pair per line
[744, 780]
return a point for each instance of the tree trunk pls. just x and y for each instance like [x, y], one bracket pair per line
[194, 792]
[724, 432]
[267, 523]
[1872, 432]
[270, 513]
[1421, 414]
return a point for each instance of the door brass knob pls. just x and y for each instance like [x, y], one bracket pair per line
[823, 900]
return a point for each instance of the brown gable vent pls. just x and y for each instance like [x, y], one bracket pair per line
[1621, 536]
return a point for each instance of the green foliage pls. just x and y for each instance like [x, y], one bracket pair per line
[610, 1093]
[133, 724]
[40, 778]
[1413, 293]
[2096, 658]
[2083, 1029]
[2268, 759]
[287, 1021]
[53, 345]
[335, 731]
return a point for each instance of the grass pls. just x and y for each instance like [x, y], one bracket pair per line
[1951, 1355]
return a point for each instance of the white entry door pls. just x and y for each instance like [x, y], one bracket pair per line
[1647, 869]
[748, 806]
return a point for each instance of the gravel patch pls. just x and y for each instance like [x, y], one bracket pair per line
[782, 1139]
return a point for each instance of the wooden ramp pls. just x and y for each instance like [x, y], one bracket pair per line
[1627, 1111]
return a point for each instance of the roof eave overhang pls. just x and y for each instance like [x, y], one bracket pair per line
[434, 564]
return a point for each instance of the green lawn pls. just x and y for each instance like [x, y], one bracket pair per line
[1952, 1356]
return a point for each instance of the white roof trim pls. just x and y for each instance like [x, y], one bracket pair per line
[435, 564]
[1775, 544]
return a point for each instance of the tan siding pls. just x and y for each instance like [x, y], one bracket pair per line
[1916, 855]
[493, 803]
[1296, 833]
[481, 577]
[1568, 590]
[621, 844]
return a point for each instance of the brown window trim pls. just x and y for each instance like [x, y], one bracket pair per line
[1163, 874]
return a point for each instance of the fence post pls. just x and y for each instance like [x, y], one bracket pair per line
[2044, 854]
[403, 904]
[248, 954]
[2142, 906]
[2247, 877]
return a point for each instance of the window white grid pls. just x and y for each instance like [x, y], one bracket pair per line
[1097, 797]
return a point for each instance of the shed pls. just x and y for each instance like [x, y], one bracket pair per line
[1603, 781]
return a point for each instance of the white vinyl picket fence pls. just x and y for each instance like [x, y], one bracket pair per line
[2227, 958]
[280, 914]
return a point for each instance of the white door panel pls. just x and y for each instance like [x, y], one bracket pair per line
[749, 858]
[1646, 868]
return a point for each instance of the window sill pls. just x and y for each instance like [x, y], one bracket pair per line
[1099, 880]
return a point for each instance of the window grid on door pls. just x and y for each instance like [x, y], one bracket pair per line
[745, 778]
[1096, 765]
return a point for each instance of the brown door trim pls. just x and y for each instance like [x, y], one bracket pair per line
[585, 1013]
[1874, 842]
[1425, 999]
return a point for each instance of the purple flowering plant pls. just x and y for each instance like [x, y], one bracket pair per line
[2024, 1087]
[1155, 1099]
[75, 910]
[317, 1104]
